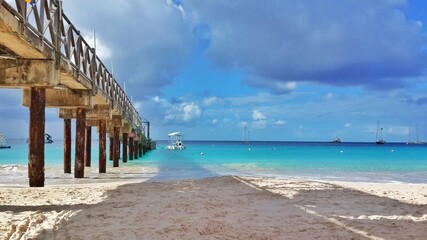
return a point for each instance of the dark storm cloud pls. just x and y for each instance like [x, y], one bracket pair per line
[351, 42]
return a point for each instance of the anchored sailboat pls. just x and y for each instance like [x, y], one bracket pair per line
[3, 142]
[245, 135]
[418, 140]
[379, 137]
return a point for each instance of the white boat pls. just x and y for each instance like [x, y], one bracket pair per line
[3, 142]
[336, 140]
[175, 141]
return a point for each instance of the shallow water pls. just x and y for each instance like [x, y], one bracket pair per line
[392, 162]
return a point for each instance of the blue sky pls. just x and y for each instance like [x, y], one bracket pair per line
[288, 70]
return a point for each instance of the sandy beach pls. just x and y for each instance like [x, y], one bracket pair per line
[226, 207]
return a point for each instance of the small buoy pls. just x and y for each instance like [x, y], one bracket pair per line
[202, 153]
[341, 151]
[249, 149]
[392, 150]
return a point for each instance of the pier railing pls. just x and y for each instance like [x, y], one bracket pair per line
[49, 30]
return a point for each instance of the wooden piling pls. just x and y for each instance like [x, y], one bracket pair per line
[102, 144]
[88, 145]
[116, 146]
[131, 148]
[140, 149]
[36, 140]
[125, 148]
[67, 145]
[80, 143]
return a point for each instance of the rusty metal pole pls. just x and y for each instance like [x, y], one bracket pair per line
[88, 145]
[116, 146]
[67, 145]
[140, 149]
[102, 142]
[125, 147]
[135, 149]
[130, 148]
[111, 148]
[79, 167]
[36, 141]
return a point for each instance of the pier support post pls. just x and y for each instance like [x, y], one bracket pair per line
[67, 145]
[102, 144]
[88, 145]
[116, 146]
[111, 149]
[131, 148]
[135, 148]
[36, 140]
[80, 143]
[125, 147]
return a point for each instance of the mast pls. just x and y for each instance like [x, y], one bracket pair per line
[417, 133]
[378, 127]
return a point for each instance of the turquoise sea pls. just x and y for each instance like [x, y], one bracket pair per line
[392, 162]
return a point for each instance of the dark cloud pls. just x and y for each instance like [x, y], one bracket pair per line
[149, 40]
[418, 101]
[336, 42]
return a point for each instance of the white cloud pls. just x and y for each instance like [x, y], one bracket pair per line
[347, 125]
[179, 112]
[191, 111]
[214, 121]
[279, 122]
[102, 51]
[397, 130]
[260, 124]
[257, 115]
[329, 96]
[242, 124]
[211, 101]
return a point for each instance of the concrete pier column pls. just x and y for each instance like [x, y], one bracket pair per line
[116, 146]
[111, 149]
[88, 145]
[102, 129]
[79, 167]
[67, 145]
[131, 148]
[125, 148]
[36, 140]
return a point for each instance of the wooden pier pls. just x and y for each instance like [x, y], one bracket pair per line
[43, 53]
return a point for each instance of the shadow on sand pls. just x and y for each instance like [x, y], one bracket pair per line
[236, 208]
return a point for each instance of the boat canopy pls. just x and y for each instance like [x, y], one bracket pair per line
[174, 134]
